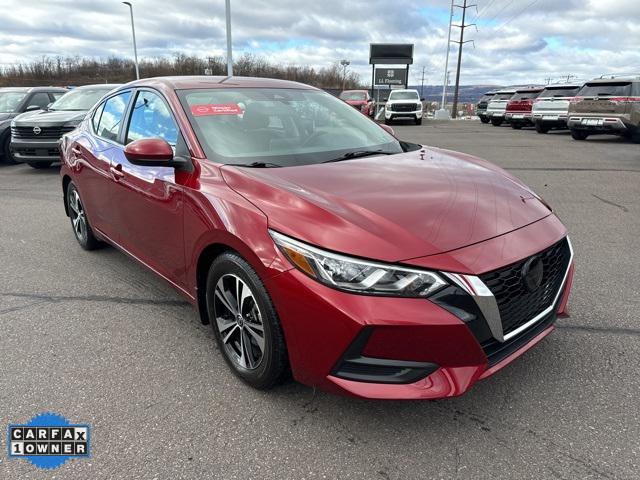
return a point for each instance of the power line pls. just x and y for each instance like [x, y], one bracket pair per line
[460, 43]
[497, 14]
[516, 15]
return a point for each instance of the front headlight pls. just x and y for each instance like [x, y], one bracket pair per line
[354, 275]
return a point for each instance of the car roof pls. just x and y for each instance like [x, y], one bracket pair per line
[207, 81]
[564, 85]
[530, 89]
[403, 90]
[506, 90]
[33, 89]
[614, 79]
[106, 86]
[356, 90]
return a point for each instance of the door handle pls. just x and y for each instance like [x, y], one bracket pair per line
[116, 172]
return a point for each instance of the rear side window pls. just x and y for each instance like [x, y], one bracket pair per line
[559, 92]
[151, 118]
[111, 117]
[616, 89]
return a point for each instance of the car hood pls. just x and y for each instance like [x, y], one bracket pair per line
[414, 101]
[6, 116]
[45, 117]
[356, 102]
[391, 208]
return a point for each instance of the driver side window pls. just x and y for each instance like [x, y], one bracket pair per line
[151, 118]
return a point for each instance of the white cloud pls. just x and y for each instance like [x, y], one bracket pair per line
[517, 41]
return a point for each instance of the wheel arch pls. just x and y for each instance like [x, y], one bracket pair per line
[206, 258]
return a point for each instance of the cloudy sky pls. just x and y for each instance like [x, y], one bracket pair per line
[517, 41]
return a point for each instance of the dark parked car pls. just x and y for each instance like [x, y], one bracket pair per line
[313, 241]
[481, 107]
[14, 101]
[35, 135]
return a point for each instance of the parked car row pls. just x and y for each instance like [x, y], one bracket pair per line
[607, 105]
[32, 120]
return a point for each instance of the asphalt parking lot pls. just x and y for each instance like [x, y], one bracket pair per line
[99, 339]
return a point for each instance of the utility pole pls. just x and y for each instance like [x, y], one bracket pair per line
[460, 43]
[422, 84]
[446, 62]
[229, 50]
[133, 32]
[548, 80]
[345, 64]
[569, 77]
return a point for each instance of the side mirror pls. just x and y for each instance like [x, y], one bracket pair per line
[422, 99]
[388, 129]
[31, 108]
[150, 152]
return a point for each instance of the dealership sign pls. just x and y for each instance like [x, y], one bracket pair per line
[391, 76]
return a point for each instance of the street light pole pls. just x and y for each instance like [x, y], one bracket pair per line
[133, 32]
[345, 64]
[229, 50]
[446, 63]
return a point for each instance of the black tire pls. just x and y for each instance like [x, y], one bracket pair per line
[484, 120]
[273, 365]
[541, 128]
[40, 165]
[579, 134]
[496, 122]
[388, 121]
[418, 121]
[516, 126]
[7, 157]
[83, 233]
[634, 136]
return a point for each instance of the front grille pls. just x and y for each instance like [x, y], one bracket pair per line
[45, 132]
[518, 305]
[405, 107]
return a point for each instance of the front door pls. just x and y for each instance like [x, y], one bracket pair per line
[147, 201]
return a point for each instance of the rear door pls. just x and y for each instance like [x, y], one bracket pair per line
[95, 151]
[147, 201]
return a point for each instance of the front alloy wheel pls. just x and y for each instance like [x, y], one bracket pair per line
[239, 322]
[245, 322]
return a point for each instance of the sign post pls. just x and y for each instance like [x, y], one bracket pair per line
[390, 54]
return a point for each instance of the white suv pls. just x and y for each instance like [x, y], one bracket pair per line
[498, 105]
[403, 104]
[551, 107]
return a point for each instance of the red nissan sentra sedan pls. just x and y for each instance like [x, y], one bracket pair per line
[313, 240]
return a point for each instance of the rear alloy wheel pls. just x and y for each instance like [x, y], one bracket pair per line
[7, 156]
[40, 165]
[541, 128]
[245, 322]
[79, 222]
[496, 122]
[579, 135]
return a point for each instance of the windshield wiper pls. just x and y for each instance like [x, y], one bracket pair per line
[357, 154]
[255, 165]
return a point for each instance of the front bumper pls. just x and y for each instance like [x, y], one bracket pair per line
[417, 114]
[35, 151]
[400, 348]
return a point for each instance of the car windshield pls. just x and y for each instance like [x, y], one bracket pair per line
[81, 99]
[353, 96]
[525, 95]
[9, 101]
[559, 92]
[280, 126]
[604, 89]
[403, 95]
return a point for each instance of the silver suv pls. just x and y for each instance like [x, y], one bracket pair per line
[498, 105]
[551, 107]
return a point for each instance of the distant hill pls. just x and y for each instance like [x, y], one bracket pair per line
[467, 93]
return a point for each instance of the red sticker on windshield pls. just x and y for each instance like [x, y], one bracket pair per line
[215, 109]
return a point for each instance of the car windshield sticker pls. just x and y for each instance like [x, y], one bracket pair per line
[216, 109]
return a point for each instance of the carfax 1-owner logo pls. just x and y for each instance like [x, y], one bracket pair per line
[49, 440]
